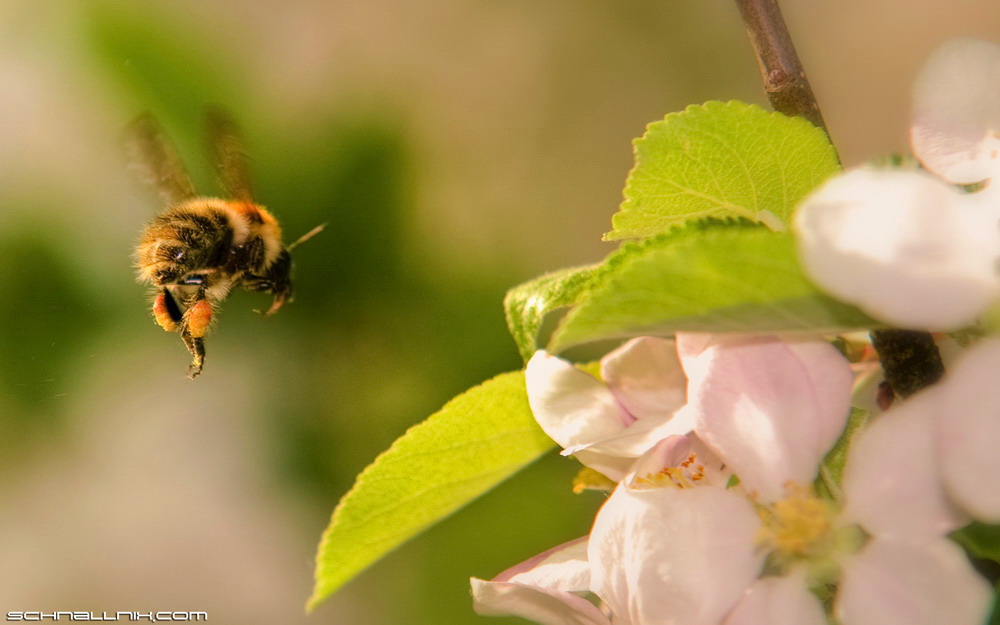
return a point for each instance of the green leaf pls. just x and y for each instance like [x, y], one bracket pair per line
[708, 277]
[721, 159]
[527, 304]
[995, 615]
[477, 440]
[831, 471]
[979, 539]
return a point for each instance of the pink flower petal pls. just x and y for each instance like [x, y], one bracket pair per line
[613, 467]
[673, 556]
[956, 111]
[571, 405]
[778, 601]
[768, 408]
[646, 377]
[969, 429]
[892, 482]
[902, 246]
[891, 582]
[833, 383]
[540, 588]
[541, 605]
[563, 567]
[638, 437]
[671, 452]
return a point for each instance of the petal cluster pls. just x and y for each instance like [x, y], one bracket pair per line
[909, 247]
[678, 542]
[610, 422]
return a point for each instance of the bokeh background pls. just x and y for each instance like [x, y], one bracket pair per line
[455, 147]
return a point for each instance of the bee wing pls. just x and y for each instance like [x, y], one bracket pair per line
[156, 161]
[231, 161]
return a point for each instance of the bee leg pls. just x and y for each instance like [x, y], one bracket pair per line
[280, 297]
[195, 345]
[277, 281]
[194, 327]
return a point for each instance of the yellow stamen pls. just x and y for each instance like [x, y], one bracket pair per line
[687, 475]
[798, 527]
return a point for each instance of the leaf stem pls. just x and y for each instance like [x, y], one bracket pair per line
[910, 359]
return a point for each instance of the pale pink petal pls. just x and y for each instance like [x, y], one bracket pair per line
[671, 452]
[717, 474]
[638, 437]
[834, 384]
[613, 467]
[563, 567]
[902, 246]
[690, 345]
[671, 557]
[778, 601]
[570, 405]
[540, 588]
[892, 482]
[646, 377]
[956, 111]
[768, 409]
[541, 605]
[969, 429]
[892, 582]
[613, 455]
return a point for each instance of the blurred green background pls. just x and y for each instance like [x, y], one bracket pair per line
[455, 149]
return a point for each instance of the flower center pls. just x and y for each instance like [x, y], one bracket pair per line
[685, 475]
[798, 527]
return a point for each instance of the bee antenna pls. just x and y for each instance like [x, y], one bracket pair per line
[305, 237]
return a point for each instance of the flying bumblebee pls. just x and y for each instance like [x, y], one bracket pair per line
[200, 248]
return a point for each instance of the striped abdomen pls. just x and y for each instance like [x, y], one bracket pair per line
[194, 235]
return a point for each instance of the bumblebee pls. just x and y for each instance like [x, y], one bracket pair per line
[200, 248]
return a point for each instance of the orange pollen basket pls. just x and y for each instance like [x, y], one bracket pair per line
[161, 314]
[198, 318]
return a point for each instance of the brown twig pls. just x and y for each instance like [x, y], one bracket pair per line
[910, 359]
[781, 71]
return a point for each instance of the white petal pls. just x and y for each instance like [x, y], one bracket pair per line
[674, 450]
[613, 467]
[892, 481]
[892, 582]
[570, 405]
[969, 429]
[956, 111]
[769, 409]
[640, 436]
[778, 601]
[833, 380]
[670, 557]
[540, 588]
[902, 246]
[564, 567]
[669, 452]
[541, 605]
[646, 377]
